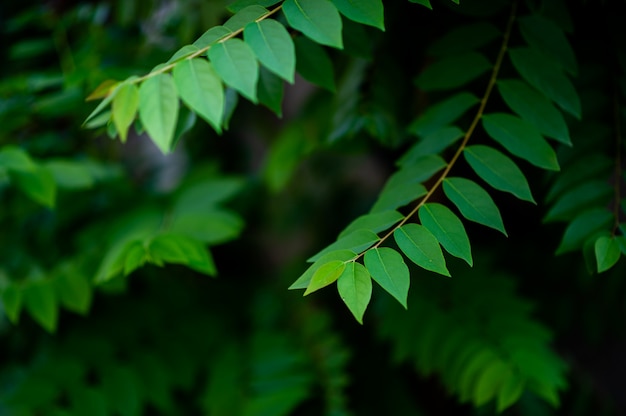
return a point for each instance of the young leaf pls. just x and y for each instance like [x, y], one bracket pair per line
[607, 253]
[273, 46]
[387, 267]
[41, 303]
[474, 202]
[158, 109]
[355, 289]
[303, 281]
[211, 36]
[373, 222]
[317, 19]
[453, 71]
[38, 184]
[368, 12]
[201, 89]
[448, 229]
[535, 108]
[547, 37]
[325, 275]
[464, 38]
[498, 171]
[584, 226]
[356, 241]
[421, 246]
[124, 108]
[313, 63]
[235, 62]
[521, 139]
[546, 76]
[442, 114]
[270, 90]
[244, 17]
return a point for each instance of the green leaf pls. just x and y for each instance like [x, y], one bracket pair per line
[422, 247]
[201, 90]
[235, 62]
[546, 76]
[180, 249]
[355, 289]
[11, 298]
[432, 144]
[303, 281]
[453, 71]
[579, 198]
[448, 229]
[521, 139]
[211, 36]
[244, 17]
[498, 171]
[313, 63]
[38, 184]
[398, 195]
[368, 12]
[158, 109]
[15, 159]
[134, 256]
[74, 291]
[535, 108]
[317, 19]
[104, 103]
[418, 171]
[41, 303]
[183, 52]
[542, 34]
[607, 253]
[325, 275]
[510, 392]
[238, 5]
[70, 174]
[212, 226]
[584, 226]
[443, 113]
[270, 90]
[273, 46]
[489, 381]
[474, 202]
[356, 241]
[425, 3]
[375, 223]
[464, 38]
[387, 268]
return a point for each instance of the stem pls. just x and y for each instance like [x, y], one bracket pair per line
[468, 133]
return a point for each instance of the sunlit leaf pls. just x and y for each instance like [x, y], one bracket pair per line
[158, 109]
[325, 275]
[355, 289]
[303, 281]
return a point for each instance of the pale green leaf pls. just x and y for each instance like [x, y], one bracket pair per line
[387, 268]
[273, 46]
[38, 184]
[211, 36]
[373, 222]
[448, 229]
[578, 199]
[546, 76]
[235, 62]
[368, 12]
[443, 113]
[270, 91]
[303, 281]
[41, 303]
[325, 275]
[498, 171]
[432, 144]
[473, 202]
[583, 227]
[244, 17]
[464, 38]
[355, 289]
[13, 158]
[521, 139]
[546, 36]
[314, 64]
[453, 71]
[317, 19]
[535, 108]
[158, 109]
[201, 90]
[607, 252]
[421, 247]
[357, 241]
[183, 52]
